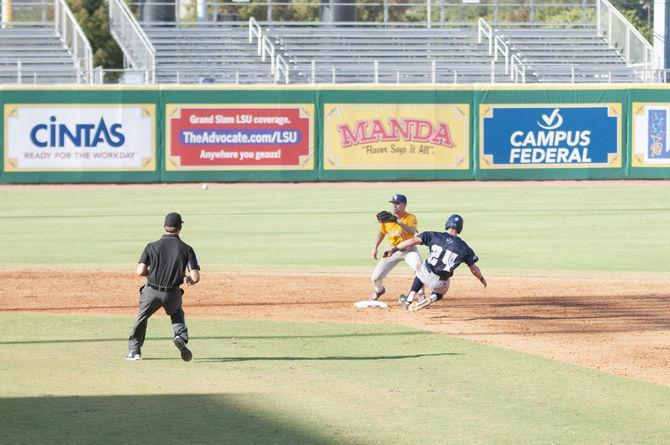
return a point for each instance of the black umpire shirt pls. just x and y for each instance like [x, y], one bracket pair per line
[167, 259]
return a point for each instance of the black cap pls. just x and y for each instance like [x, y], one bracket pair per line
[173, 220]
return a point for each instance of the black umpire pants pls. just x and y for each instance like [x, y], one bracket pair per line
[150, 301]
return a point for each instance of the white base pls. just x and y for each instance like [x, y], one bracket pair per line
[371, 303]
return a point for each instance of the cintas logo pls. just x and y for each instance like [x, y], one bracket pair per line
[410, 130]
[84, 135]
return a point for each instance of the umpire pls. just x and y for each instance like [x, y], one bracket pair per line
[167, 263]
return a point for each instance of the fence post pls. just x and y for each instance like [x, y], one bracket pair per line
[18, 72]
[333, 74]
[313, 72]
[433, 70]
[609, 28]
[493, 72]
[572, 69]
[376, 71]
[428, 13]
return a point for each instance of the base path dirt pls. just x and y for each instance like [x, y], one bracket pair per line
[617, 326]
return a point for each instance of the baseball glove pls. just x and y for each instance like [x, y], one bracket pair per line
[386, 216]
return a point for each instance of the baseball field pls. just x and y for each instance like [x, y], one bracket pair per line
[570, 342]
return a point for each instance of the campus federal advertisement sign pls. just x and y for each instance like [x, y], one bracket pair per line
[550, 136]
[79, 137]
[396, 137]
[239, 137]
[651, 147]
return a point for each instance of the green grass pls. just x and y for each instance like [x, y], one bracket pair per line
[589, 227]
[63, 380]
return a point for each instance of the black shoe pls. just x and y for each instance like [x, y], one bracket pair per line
[186, 353]
[402, 299]
[375, 295]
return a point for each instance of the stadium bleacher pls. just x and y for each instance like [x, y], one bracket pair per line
[34, 55]
[404, 53]
[219, 53]
[567, 55]
[46, 46]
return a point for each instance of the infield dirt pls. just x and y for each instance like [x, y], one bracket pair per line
[617, 326]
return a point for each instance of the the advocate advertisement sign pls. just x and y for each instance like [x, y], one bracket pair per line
[239, 137]
[81, 137]
[550, 136]
[651, 147]
[395, 136]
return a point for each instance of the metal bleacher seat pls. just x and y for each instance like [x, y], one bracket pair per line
[34, 55]
[404, 53]
[213, 51]
[567, 55]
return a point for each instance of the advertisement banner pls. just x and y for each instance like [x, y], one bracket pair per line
[651, 147]
[396, 137]
[239, 137]
[550, 136]
[79, 137]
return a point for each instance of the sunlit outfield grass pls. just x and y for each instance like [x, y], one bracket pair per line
[584, 227]
[63, 379]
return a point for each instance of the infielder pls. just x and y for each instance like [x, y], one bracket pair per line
[399, 226]
[167, 263]
[447, 252]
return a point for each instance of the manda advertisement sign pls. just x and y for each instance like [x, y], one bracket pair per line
[550, 136]
[82, 137]
[239, 137]
[396, 136]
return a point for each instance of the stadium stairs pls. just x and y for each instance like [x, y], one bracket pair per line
[447, 53]
[35, 55]
[565, 55]
[209, 53]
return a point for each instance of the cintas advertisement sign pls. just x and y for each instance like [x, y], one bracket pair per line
[239, 137]
[550, 136]
[82, 137]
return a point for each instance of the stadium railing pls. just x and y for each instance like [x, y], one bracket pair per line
[136, 46]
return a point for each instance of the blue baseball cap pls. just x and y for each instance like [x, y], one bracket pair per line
[399, 198]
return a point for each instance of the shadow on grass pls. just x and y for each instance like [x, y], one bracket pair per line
[150, 419]
[225, 337]
[290, 358]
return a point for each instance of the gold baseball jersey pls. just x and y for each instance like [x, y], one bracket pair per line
[395, 232]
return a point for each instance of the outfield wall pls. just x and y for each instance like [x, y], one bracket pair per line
[230, 134]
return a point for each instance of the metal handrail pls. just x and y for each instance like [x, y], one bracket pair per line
[255, 30]
[604, 9]
[497, 45]
[518, 69]
[74, 39]
[132, 39]
[282, 68]
[484, 29]
[502, 48]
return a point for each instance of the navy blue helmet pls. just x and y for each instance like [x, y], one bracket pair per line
[454, 222]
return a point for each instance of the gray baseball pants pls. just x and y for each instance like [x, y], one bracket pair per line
[385, 265]
[150, 301]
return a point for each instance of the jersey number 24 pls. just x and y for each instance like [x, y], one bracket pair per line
[448, 257]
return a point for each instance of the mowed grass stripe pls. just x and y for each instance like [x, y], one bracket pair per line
[590, 227]
[64, 380]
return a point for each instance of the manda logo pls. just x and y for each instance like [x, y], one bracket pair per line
[403, 129]
[549, 145]
[84, 135]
